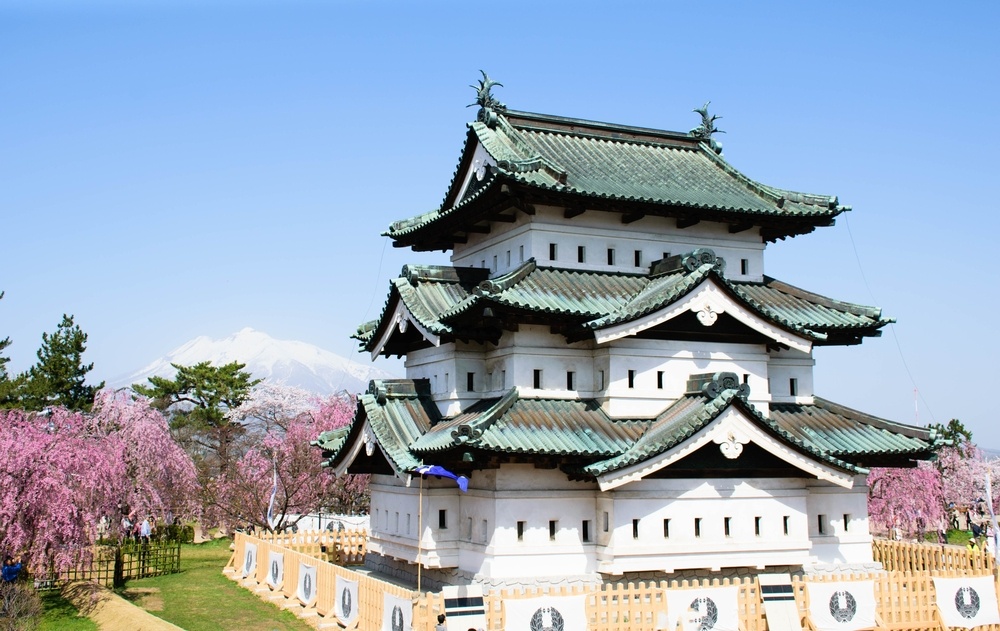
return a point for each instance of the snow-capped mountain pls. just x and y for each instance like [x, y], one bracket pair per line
[278, 361]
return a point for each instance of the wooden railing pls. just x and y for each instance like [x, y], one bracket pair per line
[905, 600]
[344, 547]
[897, 556]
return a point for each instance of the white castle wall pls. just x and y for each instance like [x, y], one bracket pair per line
[513, 517]
[510, 244]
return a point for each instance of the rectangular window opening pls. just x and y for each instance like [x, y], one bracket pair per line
[585, 530]
[537, 379]
[637, 258]
[785, 522]
[631, 378]
[697, 526]
[482, 263]
[635, 528]
[553, 528]
[520, 253]
[503, 378]
[552, 251]
[443, 519]
[468, 528]
[581, 254]
[847, 522]
[495, 263]
[484, 531]
[600, 380]
[666, 528]
[727, 523]
[570, 380]
[520, 531]
[659, 380]
[508, 258]
[821, 524]
[606, 521]
[756, 526]
[744, 266]
[470, 382]
[611, 256]
[746, 377]
[793, 386]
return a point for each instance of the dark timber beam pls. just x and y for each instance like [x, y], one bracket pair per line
[504, 218]
[686, 222]
[527, 209]
[739, 227]
[632, 217]
[478, 229]
[573, 211]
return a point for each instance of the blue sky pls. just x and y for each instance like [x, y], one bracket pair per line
[169, 170]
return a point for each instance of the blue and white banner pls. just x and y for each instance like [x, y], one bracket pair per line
[397, 613]
[249, 559]
[346, 606]
[967, 601]
[275, 569]
[306, 592]
[545, 613]
[709, 609]
[842, 605]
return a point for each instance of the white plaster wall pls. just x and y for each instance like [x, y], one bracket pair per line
[790, 364]
[597, 231]
[514, 361]
[481, 531]
[712, 501]
[846, 537]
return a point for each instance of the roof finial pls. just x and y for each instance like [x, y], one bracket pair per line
[488, 104]
[707, 128]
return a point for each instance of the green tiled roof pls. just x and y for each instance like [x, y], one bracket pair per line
[846, 433]
[656, 172]
[535, 426]
[410, 432]
[591, 300]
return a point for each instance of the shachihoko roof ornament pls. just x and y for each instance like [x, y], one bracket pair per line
[707, 128]
[488, 104]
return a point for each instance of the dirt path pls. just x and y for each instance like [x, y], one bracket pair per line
[111, 612]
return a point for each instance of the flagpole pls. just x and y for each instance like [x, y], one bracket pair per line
[420, 530]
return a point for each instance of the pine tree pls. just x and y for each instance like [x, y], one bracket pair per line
[59, 376]
[199, 398]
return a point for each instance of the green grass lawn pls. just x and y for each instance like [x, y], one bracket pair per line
[200, 598]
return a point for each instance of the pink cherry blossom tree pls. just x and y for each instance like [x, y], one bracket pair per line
[897, 496]
[65, 477]
[285, 456]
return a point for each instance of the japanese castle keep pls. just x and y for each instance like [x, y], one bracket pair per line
[627, 392]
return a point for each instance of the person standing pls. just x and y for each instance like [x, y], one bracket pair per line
[11, 569]
[441, 626]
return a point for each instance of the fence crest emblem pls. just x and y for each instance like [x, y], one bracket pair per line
[843, 606]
